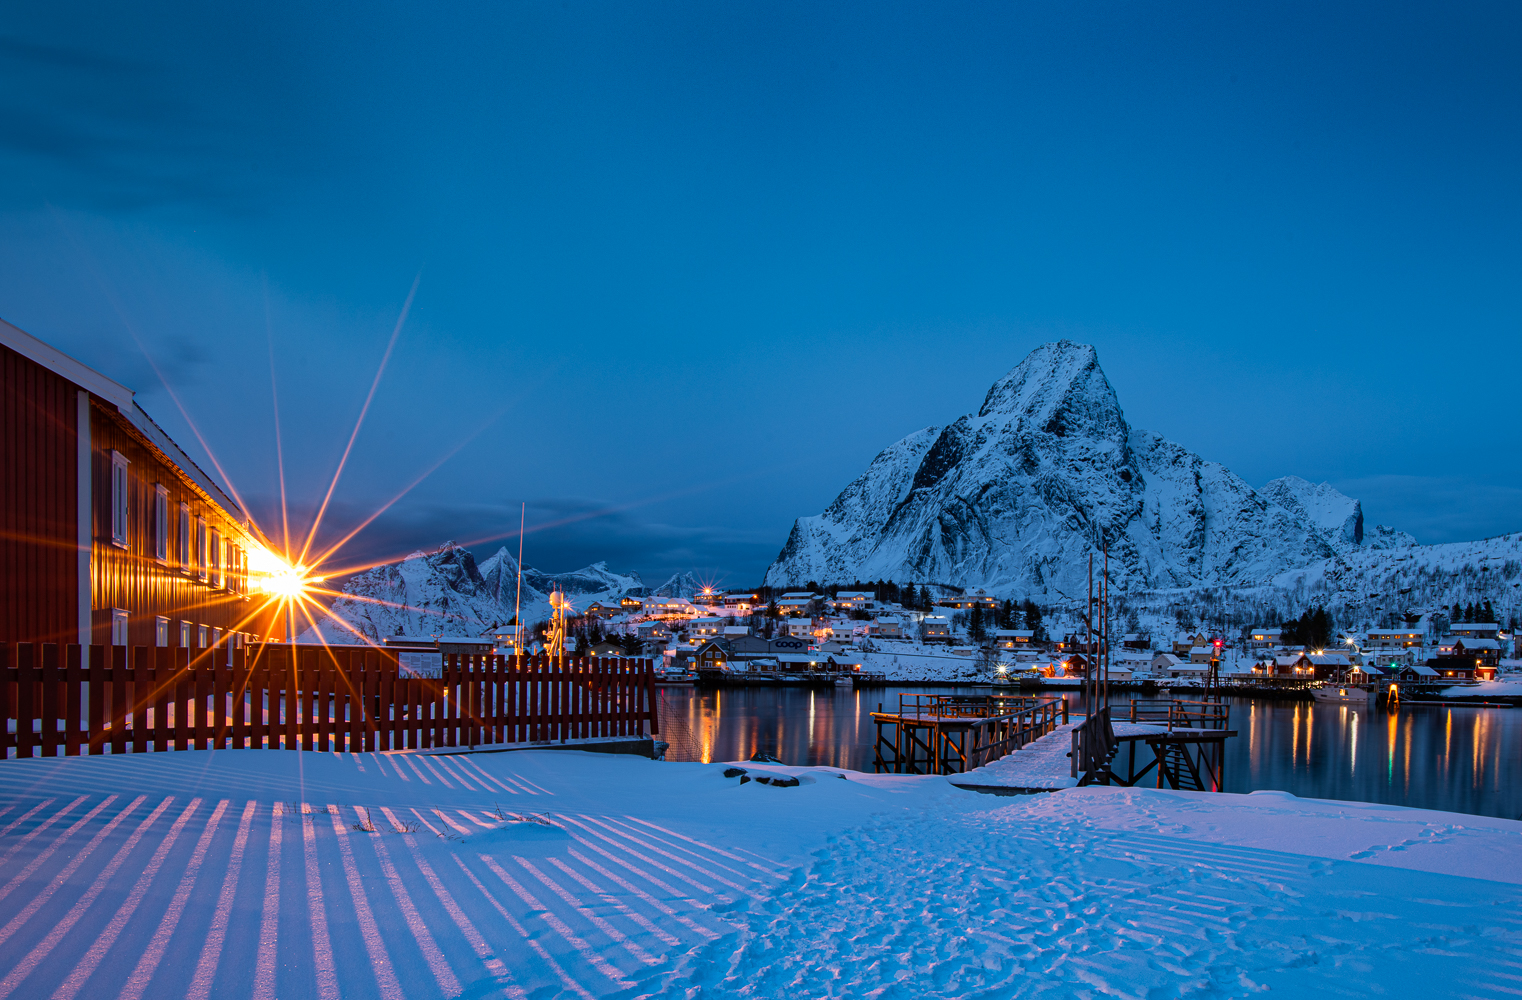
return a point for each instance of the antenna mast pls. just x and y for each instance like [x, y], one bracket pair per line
[518, 603]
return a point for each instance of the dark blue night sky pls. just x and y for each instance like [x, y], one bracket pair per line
[685, 268]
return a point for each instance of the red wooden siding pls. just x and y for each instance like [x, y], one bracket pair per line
[133, 579]
[39, 563]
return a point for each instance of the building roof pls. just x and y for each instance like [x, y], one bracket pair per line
[118, 395]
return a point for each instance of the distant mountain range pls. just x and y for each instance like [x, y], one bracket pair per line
[1013, 499]
[446, 591]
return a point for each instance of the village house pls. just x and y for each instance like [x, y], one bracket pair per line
[745, 600]
[1012, 638]
[977, 599]
[887, 628]
[854, 598]
[1262, 638]
[937, 628]
[800, 628]
[1136, 640]
[597, 609]
[795, 605]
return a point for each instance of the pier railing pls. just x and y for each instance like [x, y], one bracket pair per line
[952, 734]
[57, 702]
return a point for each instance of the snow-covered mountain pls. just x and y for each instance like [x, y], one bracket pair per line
[1014, 498]
[446, 591]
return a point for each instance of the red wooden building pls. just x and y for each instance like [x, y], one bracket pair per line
[109, 533]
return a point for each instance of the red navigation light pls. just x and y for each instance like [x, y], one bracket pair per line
[1218, 644]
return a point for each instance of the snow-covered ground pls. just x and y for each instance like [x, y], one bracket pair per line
[1509, 688]
[254, 874]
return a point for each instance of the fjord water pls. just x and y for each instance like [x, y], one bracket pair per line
[1458, 759]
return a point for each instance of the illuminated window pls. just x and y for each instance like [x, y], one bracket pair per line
[218, 579]
[201, 549]
[184, 552]
[201, 636]
[119, 508]
[184, 635]
[118, 627]
[161, 631]
[161, 522]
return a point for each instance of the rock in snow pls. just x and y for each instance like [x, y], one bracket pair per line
[1013, 499]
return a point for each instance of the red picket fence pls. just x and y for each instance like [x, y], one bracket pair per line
[305, 698]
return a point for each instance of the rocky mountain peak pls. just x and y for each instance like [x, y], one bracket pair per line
[1015, 497]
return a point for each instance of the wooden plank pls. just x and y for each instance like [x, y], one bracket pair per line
[258, 692]
[201, 692]
[164, 693]
[119, 663]
[73, 700]
[221, 684]
[451, 691]
[142, 694]
[183, 685]
[289, 714]
[96, 693]
[8, 699]
[48, 680]
[322, 692]
[238, 684]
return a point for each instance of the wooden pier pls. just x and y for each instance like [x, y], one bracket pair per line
[952, 734]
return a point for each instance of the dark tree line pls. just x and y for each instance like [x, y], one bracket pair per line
[1313, 629]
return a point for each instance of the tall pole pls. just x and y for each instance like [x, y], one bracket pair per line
[1090, 675]
[518, 602]
[1104, 635]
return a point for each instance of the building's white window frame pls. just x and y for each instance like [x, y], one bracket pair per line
[201, 636]
[161, 631]
[184, 635]
[161, 522]
[120, 507]
[184, 536]
[214, 549]
[201, 548]
[120, 622]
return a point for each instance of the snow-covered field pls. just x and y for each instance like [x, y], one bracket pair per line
[253, 874]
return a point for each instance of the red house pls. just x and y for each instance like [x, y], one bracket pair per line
[109, 533]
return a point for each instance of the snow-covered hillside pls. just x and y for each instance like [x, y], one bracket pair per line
[445, 591]
[1013, 499]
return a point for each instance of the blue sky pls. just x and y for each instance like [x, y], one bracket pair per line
[683, 269]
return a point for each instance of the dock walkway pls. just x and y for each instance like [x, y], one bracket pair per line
[1043, 765]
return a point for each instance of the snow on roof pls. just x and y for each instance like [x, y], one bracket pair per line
[1421, 671]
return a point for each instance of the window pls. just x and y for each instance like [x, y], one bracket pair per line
[184, 635]
[161, 522]
[161, 631]
[119, 508]
[201, 549]
[218, 579]
[216, 637]
[184, 552]
[118, 627]
[201, 636]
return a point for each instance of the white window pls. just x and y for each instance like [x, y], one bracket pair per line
[184, 635]
[201, 549]
[118, 627]
[215, 549]
[161, 631]
[161, 522]
[119, 508]
[216, 637]
[201, 636]
[184, 553]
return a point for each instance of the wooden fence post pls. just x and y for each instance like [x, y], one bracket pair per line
[74, 679]
[97, 695]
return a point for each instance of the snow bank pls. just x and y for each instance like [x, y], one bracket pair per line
[556, 873]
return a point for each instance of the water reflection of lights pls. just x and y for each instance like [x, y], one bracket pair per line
[1353, 750]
